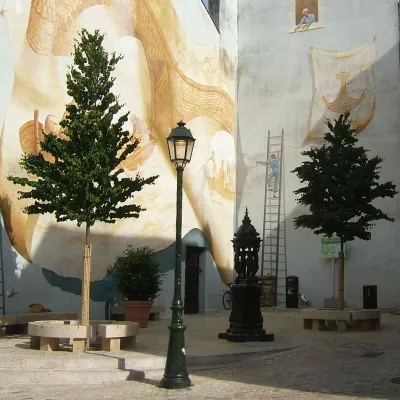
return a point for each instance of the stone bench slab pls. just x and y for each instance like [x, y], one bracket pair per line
[320, 319]
[327, 315]
[59, 331]
[366, 320]
[118, 329]
[117, 335]
[46, 335]
[365, 314]
[24, 319]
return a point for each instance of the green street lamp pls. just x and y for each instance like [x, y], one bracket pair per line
[180, 146]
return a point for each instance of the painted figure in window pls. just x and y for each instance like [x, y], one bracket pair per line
[307, 20]
[274, 163]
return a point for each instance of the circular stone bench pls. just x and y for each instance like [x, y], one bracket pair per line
[115, 335]
[366, 320]
[320, 319]
[46, 335]
[95, 339]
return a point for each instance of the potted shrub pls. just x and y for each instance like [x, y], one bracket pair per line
[138, 279]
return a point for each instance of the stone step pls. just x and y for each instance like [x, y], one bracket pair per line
[70, 369]
[144, 362]
[65, 377]
[58, 362]
[141, 362]
[116, 361]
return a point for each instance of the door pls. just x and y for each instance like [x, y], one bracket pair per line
[192, 272]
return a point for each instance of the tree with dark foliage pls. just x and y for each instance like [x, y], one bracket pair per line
[341, 185]
[83, 182]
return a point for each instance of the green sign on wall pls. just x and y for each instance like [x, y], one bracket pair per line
[330, 247]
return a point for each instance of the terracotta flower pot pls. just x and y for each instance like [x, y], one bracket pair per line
[36, 308]
[137, 311]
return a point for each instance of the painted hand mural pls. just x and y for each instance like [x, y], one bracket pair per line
[157, 88]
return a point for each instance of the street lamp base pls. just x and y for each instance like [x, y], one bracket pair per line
[176, 375]
[175, 382]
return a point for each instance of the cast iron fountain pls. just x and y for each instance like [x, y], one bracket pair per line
[246, 320]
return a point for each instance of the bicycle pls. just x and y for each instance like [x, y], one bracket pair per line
[262, 298]
[227, 299]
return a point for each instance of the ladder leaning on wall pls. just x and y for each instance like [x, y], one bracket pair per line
[273, 257]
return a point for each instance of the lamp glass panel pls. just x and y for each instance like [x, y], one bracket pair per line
[189, 152]
[171, 149]
[180, 149]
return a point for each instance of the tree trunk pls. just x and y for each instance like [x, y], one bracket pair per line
[341, 277]
[87, 258]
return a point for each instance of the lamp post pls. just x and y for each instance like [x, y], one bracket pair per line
[180, 146]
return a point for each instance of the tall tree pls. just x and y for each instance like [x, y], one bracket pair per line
[341, 185]
[83, 180]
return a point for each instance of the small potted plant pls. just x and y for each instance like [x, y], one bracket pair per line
[138, 279]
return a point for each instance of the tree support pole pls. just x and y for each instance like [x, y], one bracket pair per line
[341, 279]
[87, 260]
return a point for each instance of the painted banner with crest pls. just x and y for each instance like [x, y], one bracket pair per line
[343, 81]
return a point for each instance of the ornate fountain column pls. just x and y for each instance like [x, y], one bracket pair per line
[246, 320]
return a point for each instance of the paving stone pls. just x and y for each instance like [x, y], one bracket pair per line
[327, 366]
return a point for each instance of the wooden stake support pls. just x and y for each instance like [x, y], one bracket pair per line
[341, 282]
[87, 260]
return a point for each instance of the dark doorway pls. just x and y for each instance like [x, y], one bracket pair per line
[192, 272]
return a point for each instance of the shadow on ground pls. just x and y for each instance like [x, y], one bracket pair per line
[353, 364]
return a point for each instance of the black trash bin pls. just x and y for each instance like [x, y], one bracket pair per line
[292, 292]
[370, 297]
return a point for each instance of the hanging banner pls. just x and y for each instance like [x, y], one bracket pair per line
[343, 81]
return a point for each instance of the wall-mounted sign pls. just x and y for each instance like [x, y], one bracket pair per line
[330, 248]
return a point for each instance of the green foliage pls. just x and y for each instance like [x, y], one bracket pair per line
[84, 183]
[136, 274]
[341, 184]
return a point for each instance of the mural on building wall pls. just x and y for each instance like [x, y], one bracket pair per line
[343, 81]
[273, 174]
[159, 89]
[222, 165]
[306, 15]
[30, 139]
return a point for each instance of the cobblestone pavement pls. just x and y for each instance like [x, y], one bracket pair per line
[353, 365]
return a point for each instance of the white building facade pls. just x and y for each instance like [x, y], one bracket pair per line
[300, 62]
